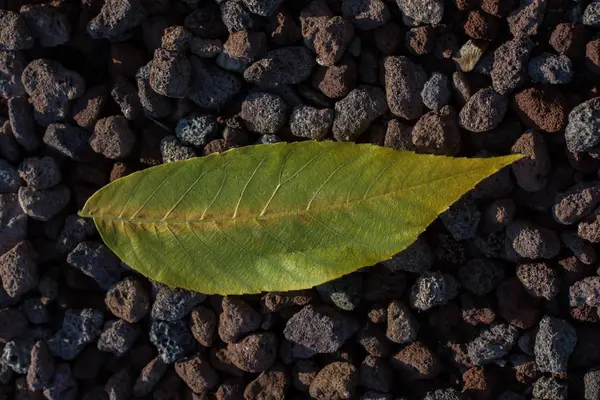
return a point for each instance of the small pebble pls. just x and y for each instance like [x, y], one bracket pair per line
[591, 382]
[170, 73]
[510, 65]
[583, 128]
[237, 319]
[303, 374]
[203, 324]
[128, 300]
[40, 172]
[9, 178]
[172, 340]
[402, 327]
[113, 138]
[269, 383]
[63, 385]
[436, 91]
[497, 215]
[591, 15]
[337, 380]
[428, 12]
[197, 373]
[149, 377]
[264, 113]
[14, 34]
[357, 111]
[462, 219]
[20, 115]
[375, 373]
[117, 337]
[345, 292]
[554, 343]
[585, 291]
[483, 112]
[79, 328]
[44, 204]
[96, 261]
[569, 39]
[211, 86]
[480, 25]
[46, 24]
[12, 64]
[447, 394]
[197, 130]
[531, 241]
[321, 329]
[255, 353]
[404, 82]
[527, 18]
[118, 386]
[539, 280]
[584, 251]
[332, 40]
[416, 362]
[75, 231]
[420, 40]
[433, 289]
[531, 171]
[310, 122]
[172, 150]
[19, 270]
[172, 304]
[550, 388]
[336, 81]
[366, 14]
[126, 96]
[70, 141]
[550, 68]
[541, 108]
[286, 65]
[492, 344]
[41, 368]
[51, 87]
[117, 19]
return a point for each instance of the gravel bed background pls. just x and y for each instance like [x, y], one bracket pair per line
[497, 300]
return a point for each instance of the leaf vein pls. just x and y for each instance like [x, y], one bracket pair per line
[237, 206]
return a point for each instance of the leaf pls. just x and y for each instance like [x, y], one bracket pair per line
[277, 217]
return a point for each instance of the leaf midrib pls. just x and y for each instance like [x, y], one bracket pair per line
[274, 215]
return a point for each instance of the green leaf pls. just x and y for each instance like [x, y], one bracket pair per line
[278, 217]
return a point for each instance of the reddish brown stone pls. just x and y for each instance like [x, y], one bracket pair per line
[481, 383]
[421, 40]
[217, 146]
[336, 81]
[543, 108]
[119, 170]
[585, 313]
[477, 310]
[416, 361]
[498, 8]
[481, 26]
[592, 56]
[569, 39]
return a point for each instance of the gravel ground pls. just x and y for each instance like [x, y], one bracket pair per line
[498, 299]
